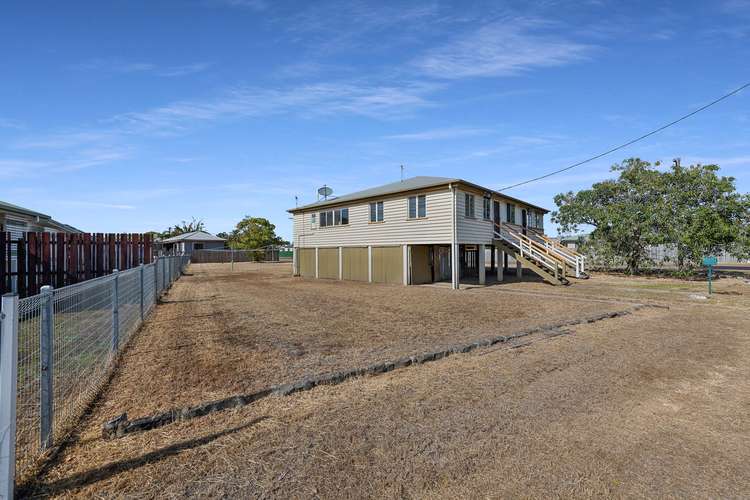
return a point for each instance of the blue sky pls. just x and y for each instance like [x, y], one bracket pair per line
[132, 116]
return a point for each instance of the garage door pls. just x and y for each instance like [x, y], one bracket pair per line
[355, 265]
[387, 265]
[307, 262]
[328, 263]
[421, 267]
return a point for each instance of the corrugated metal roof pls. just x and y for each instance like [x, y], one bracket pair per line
[193, 236]
[410, 184]
[9, 207]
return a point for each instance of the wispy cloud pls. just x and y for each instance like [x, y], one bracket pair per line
[375, 101]
[257, 5]
[440, 134]
[94, 204]
[103, 65]
[11, 124]
[502, 48]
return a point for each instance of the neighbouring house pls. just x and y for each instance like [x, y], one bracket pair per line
[18, 220]
[424, 230]
[194, 240]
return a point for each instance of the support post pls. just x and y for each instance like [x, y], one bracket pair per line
[164, 274]
[232, 265]
[341, 263]
[492, 258]
[369, 263]
[480, 264]
[519, 269]
[454, 267]
[500, 268]
[8, 388]
[405, 259]
[143, 311]
[46, 390]
[316, 263]
[115, 310]
[295, 261]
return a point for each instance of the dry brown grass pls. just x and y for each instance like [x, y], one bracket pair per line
[654, 404]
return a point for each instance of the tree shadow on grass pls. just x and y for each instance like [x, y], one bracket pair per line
[92, 476]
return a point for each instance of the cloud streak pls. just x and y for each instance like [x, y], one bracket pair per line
[116, 66]
[502, 48]
[440, 134]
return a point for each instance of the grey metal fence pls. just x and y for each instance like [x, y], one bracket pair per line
[68, 339]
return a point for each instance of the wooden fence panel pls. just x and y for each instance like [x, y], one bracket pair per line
[38, 259]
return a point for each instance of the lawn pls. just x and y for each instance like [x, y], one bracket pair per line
[650, 404]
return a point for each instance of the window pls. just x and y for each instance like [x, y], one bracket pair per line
[312, 220]
[376, 211]
[510, 213]
[338, 217]
[487, 208]
[417, 206]
[469, 205]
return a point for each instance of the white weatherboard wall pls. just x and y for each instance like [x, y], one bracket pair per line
[396, 228]
[472, 230]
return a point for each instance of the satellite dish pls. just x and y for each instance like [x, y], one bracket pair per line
[325, 191]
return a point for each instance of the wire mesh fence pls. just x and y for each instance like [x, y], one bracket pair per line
[229, 255]
[68, 339]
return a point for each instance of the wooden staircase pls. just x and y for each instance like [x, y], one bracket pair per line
[575, 261]
[544, 261]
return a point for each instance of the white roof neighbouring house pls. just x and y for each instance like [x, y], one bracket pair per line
[194, 236]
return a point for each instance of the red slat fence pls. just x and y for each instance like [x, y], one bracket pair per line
[59, 259]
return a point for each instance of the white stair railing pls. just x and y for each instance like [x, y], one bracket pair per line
[528, 248]
[573, 258]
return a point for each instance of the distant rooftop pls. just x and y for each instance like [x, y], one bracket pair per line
[9, 207]
[410, 184]
[193, 236]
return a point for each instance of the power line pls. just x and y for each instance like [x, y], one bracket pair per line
[649, 134]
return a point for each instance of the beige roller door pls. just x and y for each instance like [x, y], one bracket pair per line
[355, 266]
[328, 263]
[387, 265]
[307, 262]
[421, 270]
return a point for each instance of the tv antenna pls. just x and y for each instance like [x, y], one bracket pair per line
[402, 173]
[325, 192]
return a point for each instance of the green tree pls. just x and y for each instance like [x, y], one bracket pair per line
[690, 208]
[706, 214]
[624, 212]
[184, 227]
[254, 232]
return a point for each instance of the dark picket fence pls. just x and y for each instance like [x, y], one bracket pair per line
[59, 259]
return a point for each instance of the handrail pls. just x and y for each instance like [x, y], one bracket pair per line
[575, 259]
[527, 246]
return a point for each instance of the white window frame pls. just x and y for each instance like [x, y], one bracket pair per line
[377, 211]
[420, 202]
[469, 208]
[487, 208]
[334, 217]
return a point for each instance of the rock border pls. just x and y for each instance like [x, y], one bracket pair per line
[120, 426]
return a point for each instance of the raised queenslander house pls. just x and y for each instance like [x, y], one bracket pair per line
[425, 230]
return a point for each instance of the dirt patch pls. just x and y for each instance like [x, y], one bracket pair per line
[652, 404]
[217, 333]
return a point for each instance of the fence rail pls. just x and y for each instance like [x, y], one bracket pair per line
[67, 341]
[219, 256]
[32, 260]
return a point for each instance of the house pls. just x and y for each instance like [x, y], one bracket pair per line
[18, 220]
[194, 240]
[423, 230]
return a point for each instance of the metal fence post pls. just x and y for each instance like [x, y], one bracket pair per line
[164, 274]
[156, 280]
[8, 387]
[46, 399]
[142, 311]
[115, 311]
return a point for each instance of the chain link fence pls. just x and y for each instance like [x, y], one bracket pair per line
[68, 340]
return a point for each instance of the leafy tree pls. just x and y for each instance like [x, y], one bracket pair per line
[184, 227]
[254, 232]
[624, 212]
[690, 208]
[705, 212]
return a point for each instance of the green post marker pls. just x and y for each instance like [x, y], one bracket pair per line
[710, 262]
